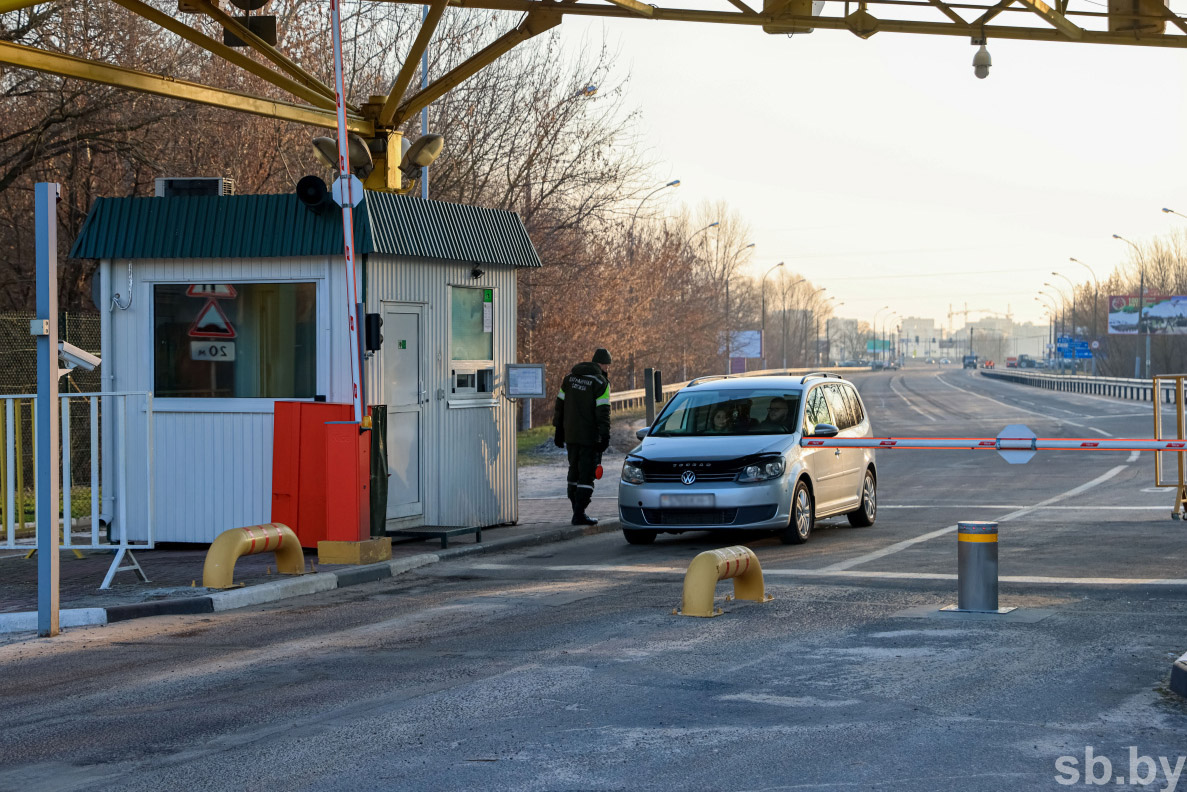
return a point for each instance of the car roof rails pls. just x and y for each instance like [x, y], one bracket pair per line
[824, 374]
[707, 378]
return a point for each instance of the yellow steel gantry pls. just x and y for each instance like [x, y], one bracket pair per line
[1124, 22]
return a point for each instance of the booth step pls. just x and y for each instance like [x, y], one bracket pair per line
[441, 532]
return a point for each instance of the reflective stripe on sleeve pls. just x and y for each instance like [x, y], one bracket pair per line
[604, 398]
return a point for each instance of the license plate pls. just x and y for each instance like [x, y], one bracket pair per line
[687, 501]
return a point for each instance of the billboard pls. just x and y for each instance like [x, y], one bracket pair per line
[1161, 315]
[743, 344]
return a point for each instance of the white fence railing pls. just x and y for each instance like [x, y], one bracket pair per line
[108, 419]
[1117, 387]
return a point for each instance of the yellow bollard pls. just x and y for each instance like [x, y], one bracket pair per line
[219, 570]
[700, 581]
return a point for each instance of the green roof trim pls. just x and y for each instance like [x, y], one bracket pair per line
[280, 226]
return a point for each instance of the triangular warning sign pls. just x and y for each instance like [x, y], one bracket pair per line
[211, 323]
[219, 291]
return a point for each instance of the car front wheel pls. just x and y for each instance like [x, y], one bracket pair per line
[803, 515]
[867, 512]
[637, 537]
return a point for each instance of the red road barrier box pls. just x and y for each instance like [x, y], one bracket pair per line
[320, 472]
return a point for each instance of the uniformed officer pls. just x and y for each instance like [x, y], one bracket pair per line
[582, 421]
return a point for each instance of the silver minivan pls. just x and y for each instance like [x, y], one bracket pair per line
[726, 453]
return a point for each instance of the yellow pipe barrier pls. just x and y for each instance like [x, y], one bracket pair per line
[219, 569]
[700, 581]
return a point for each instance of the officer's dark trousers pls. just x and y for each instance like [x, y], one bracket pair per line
[583, 459]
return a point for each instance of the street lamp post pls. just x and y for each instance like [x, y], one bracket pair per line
[763, 289]
[631, 233]
[804, 327]
[1062, 319]
[785, 289]
[728, 339]
[1052, 311]
[1137, 363]
[874, 329]
[1075, 333]
[1095, 302]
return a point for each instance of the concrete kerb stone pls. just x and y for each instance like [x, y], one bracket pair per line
[293, 587]
[26, 621]
[1179, 676]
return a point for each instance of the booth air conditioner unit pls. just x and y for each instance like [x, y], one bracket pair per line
[181, 186]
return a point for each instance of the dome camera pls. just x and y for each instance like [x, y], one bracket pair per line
[981, 63]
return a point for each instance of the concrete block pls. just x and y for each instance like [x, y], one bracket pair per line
[369, 551]
[26, 621]
[270, 592]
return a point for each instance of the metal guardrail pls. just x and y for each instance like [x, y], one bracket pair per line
[1117, 387]
[624, 400]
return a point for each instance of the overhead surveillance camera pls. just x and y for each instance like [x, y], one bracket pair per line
[75, 357]
[981, 63]
[421, 154]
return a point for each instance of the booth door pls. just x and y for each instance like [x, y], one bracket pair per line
[404, 390]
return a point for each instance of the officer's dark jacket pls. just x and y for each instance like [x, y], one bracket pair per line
[583, 405]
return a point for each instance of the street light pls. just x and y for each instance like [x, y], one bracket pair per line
[1172, 211]
[1075, 333]
[874, 327]
[1137, 361]
[763, 289]
[816, 356]
[1095, 297]
[635, 216]
[785, 290]
[728, 339]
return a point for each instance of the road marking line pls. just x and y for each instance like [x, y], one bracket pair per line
[909, 404]
[1099, 431]
[1010, 406]
[826, 573]
[1133, 456]
[906, 543]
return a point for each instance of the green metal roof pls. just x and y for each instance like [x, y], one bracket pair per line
[280, 226]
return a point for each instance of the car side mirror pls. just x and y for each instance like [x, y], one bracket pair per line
[640, 434]
[825, 430]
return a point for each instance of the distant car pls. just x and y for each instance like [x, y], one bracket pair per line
[726, 454]
[891, 365]
[987, 364]
[970, 361]
[877, 365]
[945, 362]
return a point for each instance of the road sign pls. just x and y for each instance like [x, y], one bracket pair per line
[217, 291]
[336, 190]
[211, 323]
[1096, 345]
[213, 351]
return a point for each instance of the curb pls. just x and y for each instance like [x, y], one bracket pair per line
[1179, 676]
[26, 621]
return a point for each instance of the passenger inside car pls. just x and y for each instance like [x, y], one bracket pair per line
[776, 420]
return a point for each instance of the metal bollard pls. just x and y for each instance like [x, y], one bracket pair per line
[977, 566]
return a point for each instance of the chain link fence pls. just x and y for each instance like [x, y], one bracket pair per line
[18, 376]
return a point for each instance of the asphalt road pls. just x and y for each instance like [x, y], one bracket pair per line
[563, 668]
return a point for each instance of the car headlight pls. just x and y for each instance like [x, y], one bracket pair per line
[631, 474]
[764, 470]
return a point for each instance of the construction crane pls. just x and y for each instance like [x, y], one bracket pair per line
[966, 311]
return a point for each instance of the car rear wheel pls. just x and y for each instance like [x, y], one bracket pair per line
[803, 515]
[867, 512]
[637, 537]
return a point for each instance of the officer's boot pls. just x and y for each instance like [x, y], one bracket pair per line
[584, 496]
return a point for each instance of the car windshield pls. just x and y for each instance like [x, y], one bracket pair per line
[699, 412]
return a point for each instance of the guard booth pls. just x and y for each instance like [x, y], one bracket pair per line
[223, 305]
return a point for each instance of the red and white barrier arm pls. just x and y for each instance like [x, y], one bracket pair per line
[997, 443]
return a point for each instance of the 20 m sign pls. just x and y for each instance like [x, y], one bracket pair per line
[213, 351]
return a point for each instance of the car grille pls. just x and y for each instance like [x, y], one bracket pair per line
[669, 478]
[741, 516]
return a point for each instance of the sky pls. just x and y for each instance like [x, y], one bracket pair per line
[885, 171]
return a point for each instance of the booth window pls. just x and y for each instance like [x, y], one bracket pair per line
[471, 322]
[235, 340]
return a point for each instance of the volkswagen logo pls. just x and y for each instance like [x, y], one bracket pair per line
[688, 477]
